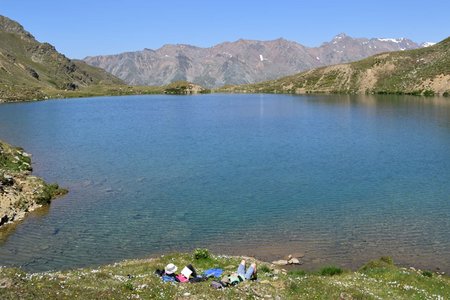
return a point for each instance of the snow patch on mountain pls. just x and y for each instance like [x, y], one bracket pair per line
[427, 44]
[391, 40]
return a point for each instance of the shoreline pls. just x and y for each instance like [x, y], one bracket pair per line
[181, 88]
[136, 279]
[20, 191]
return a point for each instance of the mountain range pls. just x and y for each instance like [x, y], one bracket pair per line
[424, 71]
[240, 62]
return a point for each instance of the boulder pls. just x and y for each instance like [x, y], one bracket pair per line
[294, 261]
[281, 262]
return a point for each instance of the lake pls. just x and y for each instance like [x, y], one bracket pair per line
[343, 179]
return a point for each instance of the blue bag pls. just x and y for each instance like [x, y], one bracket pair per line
[166, 278]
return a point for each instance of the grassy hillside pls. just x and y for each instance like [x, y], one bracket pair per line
[135, 279]
[424, 71]
[30, 69]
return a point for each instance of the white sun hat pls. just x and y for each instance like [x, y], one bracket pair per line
[170, 269]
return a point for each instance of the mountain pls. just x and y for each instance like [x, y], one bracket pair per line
[29, 69]
[424, 71]
[240, 62]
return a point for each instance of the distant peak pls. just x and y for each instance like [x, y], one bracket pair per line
[340, 36]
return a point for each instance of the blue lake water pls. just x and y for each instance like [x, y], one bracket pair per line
[344, 179]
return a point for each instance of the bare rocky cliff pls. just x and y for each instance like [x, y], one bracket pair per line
[240, 62]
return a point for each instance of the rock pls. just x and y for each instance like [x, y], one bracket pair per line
[281, 262]
[345, 296]
[294, 261]
[4, 220]
[186, 294]
[5, 283]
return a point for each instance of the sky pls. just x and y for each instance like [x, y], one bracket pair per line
[98, 27]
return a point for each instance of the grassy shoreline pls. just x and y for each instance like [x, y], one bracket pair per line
[135, 279]
[34, 94]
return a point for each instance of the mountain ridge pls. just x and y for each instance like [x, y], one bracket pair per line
[239, 62]
[424, 71]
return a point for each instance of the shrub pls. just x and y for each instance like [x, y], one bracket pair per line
[428, 93]
[330, 271]
[385, 262]
[201, 253]
[427, 274]
[387, 259]
[49, 192]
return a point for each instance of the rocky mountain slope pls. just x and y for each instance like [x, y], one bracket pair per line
[240, 62]
[423, 71]
[29, 68]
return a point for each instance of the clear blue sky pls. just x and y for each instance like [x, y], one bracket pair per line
[81, 28]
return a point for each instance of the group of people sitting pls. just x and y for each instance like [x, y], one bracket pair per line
[189, 274]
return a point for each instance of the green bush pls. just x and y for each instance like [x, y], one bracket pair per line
[330, 271]
[201, 253]
[385, 262]
[427, 274]
[387, 259]
[49, 192]
[428, 93]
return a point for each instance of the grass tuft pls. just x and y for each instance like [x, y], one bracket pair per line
[330, 271]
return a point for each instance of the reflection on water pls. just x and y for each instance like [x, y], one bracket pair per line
[342, 178]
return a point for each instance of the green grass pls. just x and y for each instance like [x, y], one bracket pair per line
[330, 271]
[135, 279]
[49, 192]
[13, 159]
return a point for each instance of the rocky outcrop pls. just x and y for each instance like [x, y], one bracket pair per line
[184, 88]
[20, 192]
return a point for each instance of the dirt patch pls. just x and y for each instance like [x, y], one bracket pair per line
[370, 77]
[438, 84]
